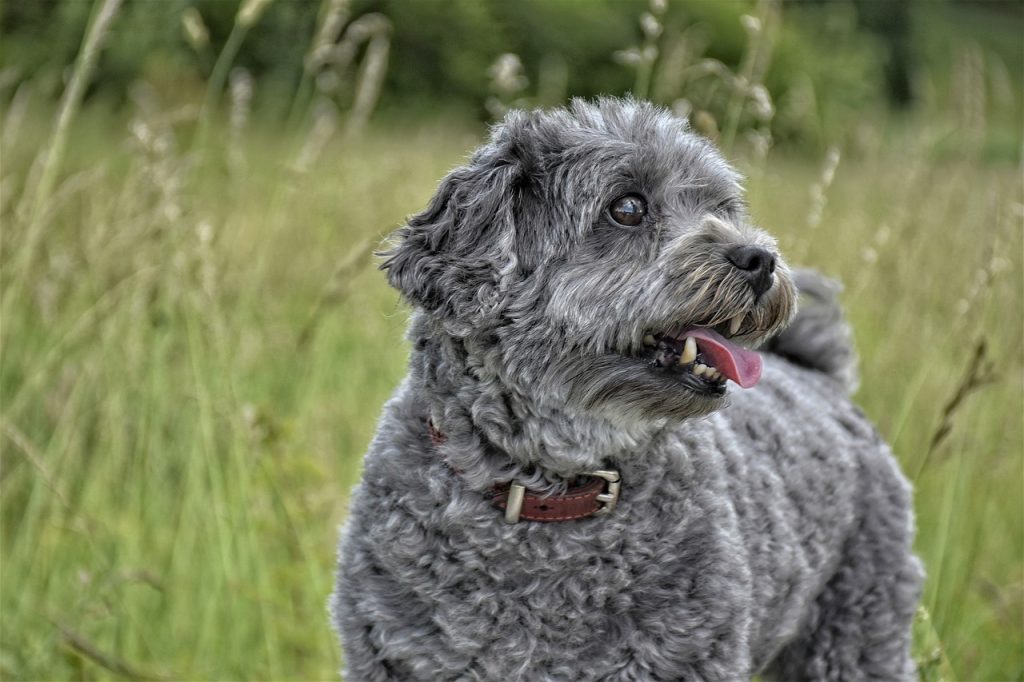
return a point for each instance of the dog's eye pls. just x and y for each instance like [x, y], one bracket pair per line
[628, 210]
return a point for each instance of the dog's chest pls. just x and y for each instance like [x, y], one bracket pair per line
[664, 566]
[686, 559]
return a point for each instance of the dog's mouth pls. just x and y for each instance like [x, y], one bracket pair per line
[704, 357]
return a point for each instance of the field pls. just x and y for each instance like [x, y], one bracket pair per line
[196, 344]
[192, 367]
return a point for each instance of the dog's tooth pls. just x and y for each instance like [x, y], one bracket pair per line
[699, 369]
[649, 340]
[736, 323]
[689, 351]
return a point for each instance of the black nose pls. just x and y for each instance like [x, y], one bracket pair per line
[756, 263]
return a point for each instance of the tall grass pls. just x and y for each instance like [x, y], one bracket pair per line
[191, 371]
[185, 400]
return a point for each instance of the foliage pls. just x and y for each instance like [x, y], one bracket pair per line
[827, 63]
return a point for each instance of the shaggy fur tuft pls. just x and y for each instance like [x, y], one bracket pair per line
[819, 337]
[763, 531]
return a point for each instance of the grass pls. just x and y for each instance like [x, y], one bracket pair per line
[175, 458]
[194, 348]
[177, 452]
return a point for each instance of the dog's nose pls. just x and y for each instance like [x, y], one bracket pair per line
[757, 264]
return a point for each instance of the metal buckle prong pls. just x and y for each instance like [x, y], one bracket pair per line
[611, 497]
[514, 503]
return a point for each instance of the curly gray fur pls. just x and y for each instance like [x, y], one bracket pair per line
[768, 533]
[819, 337]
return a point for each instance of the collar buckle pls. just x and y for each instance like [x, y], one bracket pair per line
[611, 497]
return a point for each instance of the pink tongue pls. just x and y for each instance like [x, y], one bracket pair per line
[739, 364]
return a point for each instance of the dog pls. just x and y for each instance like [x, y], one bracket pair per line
[589, 473]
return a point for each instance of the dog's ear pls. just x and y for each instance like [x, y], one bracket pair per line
[457, 256]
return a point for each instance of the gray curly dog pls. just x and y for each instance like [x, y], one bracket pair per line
[565, 487]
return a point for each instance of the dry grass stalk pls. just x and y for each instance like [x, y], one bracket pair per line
[85, 648]
[325, 123]
[35, 458]
[196, 33]
[333, 15]
[747, 86]
[819, 198]
[643, 57]
[980, 372]
[371, 75]
[15, 115]
[241, 86]
[507, 83]
[337, 288]
[70, 102]
[327, 64]
[248, 14]
[932, 663]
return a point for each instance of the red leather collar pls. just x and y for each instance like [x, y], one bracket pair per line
[578, 502]
[596, 494]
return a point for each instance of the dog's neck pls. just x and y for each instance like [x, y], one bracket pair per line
[495, 432]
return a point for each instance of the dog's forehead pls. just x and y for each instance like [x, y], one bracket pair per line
[630, 137]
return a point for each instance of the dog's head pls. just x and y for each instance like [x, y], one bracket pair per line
[603, 257]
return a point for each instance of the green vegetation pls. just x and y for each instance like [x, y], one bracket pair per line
[195, 345]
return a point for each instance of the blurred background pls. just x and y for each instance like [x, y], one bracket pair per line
[195, 343]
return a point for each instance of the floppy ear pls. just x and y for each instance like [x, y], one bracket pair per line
[456, 257]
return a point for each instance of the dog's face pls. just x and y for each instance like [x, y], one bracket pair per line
[601, 256]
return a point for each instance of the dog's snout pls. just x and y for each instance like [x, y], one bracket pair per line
[757, 263]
